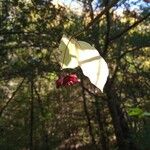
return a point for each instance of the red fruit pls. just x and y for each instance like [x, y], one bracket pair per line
[59, 82]
[67, 80]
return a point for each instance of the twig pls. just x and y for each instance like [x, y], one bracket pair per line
[129, 28]
[91, 9]
[101, 122]
[31, 113]
[97, 17]
[108, 30]
[114, 2]
[87, 113]
[43, 115]
[78, 33]
[11, 98]
[39, 101]
[118, 61]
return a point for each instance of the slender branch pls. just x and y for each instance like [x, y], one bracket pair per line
[91, 9]
[39, 101]
[114, 2]
[22, 72]
[101, 124]
[103, 140]
[89, 92]
[108, 30]
[11, 98]
[31, 113]
[130, 27]
[21, 32]
[87, 114]
[129, 51]
[118, 61]
[107, 8]
[45, 133]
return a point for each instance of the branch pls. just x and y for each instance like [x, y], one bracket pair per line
[45, 138]
[129, 28]
[108, 30]
[118, 62]
[11, 98]
[87, 113]
[106, 9]
[91, 9]
[114, 2]
[23, 72]
[39, 101]
[101, 124]
[130, 51]
[31, 113]
[16, 32]
[25, 33]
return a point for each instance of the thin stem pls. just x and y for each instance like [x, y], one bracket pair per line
[11, 98]
[108, 30]
[107, 8]
[45, 133]
[130, 27]
[102, 130]
[87, 114]
[31, 113]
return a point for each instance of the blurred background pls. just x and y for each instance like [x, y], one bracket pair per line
[35, 115]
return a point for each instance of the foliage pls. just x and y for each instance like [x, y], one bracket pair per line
[34, 114]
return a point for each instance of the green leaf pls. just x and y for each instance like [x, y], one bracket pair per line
[146, 114]
[135, 112]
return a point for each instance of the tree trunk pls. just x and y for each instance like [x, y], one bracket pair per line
[31, 114]
[102, 130]
[87, 115]
[121, 128]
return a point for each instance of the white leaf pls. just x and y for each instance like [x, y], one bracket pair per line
[80, 53]
[92, 64]
[68, 50]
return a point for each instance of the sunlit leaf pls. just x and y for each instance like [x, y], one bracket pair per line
[68, 57]
[79, 53]
[92, 64]
[135, 112]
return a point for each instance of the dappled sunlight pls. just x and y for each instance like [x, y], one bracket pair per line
[51, 88]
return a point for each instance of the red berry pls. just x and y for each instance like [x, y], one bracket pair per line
[67, 80]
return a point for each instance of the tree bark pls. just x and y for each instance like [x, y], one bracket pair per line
[120, 124]
[31, 114]
[102, 130]
[87, 115]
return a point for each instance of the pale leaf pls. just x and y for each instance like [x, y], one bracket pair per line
[68, 53]
[92, 64]
[79, 53]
